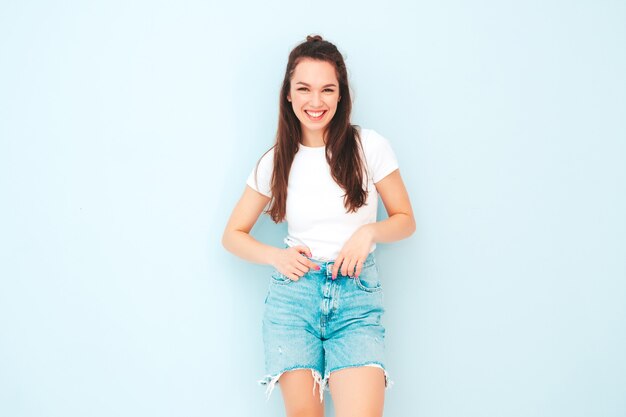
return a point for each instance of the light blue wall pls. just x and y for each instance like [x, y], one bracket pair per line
[127, 132]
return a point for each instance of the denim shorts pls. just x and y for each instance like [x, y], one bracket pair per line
[322, 324]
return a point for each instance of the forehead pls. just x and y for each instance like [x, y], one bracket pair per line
[314, 72]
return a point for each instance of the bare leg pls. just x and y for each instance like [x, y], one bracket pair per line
[300, 396]
[358, 391]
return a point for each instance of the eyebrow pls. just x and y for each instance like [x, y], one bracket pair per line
[327, 85]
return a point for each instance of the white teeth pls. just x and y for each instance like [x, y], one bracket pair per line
[315, 114]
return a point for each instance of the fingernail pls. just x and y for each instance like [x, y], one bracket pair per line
[318, 268]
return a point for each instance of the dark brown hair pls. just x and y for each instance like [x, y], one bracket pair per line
[343, 144]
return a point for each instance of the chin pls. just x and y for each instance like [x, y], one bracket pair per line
[316, 128]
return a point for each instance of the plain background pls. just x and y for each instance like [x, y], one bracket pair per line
[128, 129]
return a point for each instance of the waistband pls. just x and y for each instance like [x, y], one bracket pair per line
[323, 262]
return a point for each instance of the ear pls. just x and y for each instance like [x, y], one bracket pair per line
[289, 97]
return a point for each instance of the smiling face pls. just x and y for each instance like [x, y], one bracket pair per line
[314, 93]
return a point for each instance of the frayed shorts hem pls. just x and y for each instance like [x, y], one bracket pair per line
[271, 380]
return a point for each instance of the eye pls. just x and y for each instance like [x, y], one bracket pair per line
[302, 89]
[330, 90]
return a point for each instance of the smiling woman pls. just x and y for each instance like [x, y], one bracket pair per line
[314, 105]
[323, 309]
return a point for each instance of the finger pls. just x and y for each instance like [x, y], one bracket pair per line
[344, 267]
[352, 267]
[300, 269]
[308, 264]
[359, 268]
[304, 250]
[336, 266]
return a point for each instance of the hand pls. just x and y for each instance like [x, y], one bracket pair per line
[291, 263]
[354, 253]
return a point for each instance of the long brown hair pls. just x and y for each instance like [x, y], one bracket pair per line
[343, 145]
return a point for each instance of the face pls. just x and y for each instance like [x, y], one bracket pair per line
[314, 93]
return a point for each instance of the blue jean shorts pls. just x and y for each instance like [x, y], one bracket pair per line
[322, 324]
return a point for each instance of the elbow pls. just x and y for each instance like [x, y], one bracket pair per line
[225, 240]
[412, 225]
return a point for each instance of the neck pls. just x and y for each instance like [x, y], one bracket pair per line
[313, 139]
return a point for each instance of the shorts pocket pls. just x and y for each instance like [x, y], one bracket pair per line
[278, 278]
[368, 280]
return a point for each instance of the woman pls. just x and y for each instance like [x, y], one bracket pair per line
[322, 318]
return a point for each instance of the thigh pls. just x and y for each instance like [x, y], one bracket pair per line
[289, 326]
[297, 387]
[356, 335]
[293, 350]
[358, 391]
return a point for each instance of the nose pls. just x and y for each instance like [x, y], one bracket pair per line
[316, 99]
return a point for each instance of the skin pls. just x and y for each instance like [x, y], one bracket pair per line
[356, 390]
[315, 87]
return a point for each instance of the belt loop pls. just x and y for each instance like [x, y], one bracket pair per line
[329, 268]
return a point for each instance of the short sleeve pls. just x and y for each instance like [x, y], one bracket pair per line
[381, 157]
[262, 182]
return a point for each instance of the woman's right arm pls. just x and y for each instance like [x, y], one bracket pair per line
[236, 238]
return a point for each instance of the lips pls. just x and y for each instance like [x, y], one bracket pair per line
[315, 115]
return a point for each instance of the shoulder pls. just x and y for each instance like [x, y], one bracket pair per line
[379, 154]
[264, 164]
[270, 153]
[260, 177]
[371, 140]
[266, 159]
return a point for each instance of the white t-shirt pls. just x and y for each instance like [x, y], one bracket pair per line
[315, 214]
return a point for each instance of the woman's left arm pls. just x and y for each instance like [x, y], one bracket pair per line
[401, 222]
[399, 225]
